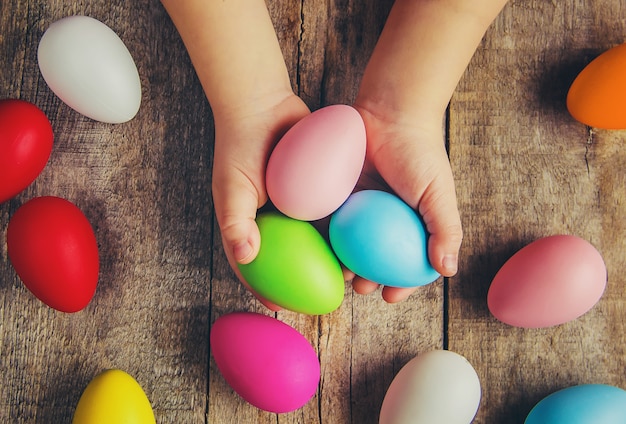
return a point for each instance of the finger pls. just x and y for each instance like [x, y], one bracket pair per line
[269, 305]
[396, 294]
[363, 286]
[425, 182]
[439, 210]
[233, 264]
[347, 274]
[235, 201]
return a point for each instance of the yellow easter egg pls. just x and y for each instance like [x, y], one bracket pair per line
[113, 396]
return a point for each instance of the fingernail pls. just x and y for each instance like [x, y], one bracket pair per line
[450, 264]
[242, 252]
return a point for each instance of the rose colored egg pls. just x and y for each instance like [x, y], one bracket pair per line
[316, 164]
[267, 362]
[551, 281]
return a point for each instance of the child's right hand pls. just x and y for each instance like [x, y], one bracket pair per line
[244, 138]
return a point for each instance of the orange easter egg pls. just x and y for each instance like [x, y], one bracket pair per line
[597, 97]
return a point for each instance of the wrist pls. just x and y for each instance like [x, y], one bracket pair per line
[387, 110]
[420, 56]
[246, 105]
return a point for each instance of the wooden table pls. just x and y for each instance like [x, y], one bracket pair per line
[524, 169]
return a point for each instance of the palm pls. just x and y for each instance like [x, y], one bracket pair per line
[412, 163]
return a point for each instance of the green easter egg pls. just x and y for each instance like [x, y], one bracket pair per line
[296, 269]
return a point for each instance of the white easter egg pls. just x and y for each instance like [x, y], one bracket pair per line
[87, 65]
[436, 387]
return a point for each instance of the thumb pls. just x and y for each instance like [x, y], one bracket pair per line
[424, 180]
[439, 210]
[236, 201]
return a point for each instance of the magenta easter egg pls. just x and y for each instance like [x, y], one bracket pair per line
[317, 163]
[267, 362]
[549, 282]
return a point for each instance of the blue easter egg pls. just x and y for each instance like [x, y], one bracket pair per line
[379, 237]
[584, 404]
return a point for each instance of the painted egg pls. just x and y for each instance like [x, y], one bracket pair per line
[436, 387]
[267, 362]
[379, 237]
[551, 281]
[88, 66]
[54, 251]
[113, 396]
[597, 97]
[295, 268]
[584, 404]
[25, 145]
[316, 164]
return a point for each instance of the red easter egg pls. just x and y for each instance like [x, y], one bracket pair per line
[25, 145]
[54, 251]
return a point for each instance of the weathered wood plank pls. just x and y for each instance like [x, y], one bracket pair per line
[369, 340]
[144, 186]
[525, 170]
[365, 342]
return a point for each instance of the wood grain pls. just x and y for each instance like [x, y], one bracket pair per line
[524, 169]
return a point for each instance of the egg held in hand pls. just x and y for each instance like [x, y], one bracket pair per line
[435, 387]
[317, 163]
[267, 362]
[379, 237]
[113, 396]
[87, 65]
[548, 282]
[26, 139]
[54, 251]
[295, 268]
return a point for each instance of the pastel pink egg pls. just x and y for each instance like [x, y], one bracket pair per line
[317, 163]
[549, 282]
[267, 362]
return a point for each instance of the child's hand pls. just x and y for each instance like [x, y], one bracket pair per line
[244, 138]
[418, 60]
[409, 157]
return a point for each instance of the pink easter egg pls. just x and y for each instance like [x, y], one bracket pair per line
[317, 163]
[549, 282]
[267, 362]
